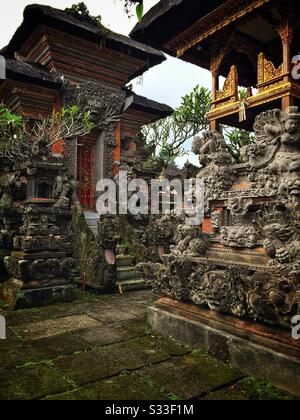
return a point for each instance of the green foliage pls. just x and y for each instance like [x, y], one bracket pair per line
[140, 11]
[236, 139]
[166, 138]
[128, 4]
[18, 137]
[191, 114]
[81, 9]
[11, 134]
[243, 93]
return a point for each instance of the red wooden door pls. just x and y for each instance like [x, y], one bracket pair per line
[85, 176]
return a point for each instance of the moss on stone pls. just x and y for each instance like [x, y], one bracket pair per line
[249, 389]
[31, 382]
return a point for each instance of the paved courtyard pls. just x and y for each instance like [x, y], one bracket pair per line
[100, 347]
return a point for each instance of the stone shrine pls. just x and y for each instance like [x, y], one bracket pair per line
[232, 285]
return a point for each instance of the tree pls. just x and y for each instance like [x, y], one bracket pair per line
[236, 139]
[19, 138]
[166, 137]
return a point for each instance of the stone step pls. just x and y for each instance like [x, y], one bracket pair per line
[131, 285]
[125, 261]
[126, 273]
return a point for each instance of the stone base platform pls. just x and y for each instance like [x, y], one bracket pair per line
[19, 297]
[265, 352]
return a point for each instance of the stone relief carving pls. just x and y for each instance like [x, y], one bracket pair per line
[274, 158]
[189, 241]
[239, 236]
[218, 173]
[105, 104]
[282, 236]
[263, 211]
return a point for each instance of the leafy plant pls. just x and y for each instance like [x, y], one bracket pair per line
[166, 138]
[128, 4]
[19, 137]
[81, 9]
[236, 139]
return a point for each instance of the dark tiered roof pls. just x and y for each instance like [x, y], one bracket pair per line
[31, 73]
[147, 105]
[79, 26]
[169, 17]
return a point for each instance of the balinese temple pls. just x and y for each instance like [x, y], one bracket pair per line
[51, 237]
[249, 43]
[231, 284]
[59, 58]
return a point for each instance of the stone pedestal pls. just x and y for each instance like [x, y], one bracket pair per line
[41, 261]
[268, 353]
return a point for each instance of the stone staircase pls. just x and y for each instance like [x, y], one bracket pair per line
[127, 276]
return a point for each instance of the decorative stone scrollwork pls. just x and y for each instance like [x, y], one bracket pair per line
[239, 236]
[105, 104]
[282, 236]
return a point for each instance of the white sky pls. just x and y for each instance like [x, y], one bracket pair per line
[165, 83]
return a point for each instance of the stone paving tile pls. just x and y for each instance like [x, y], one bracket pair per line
[248, 389]
[59, 310]
[17, 354]
[31, 382]
[191, 376]
[55, 346]
[126, 387]
[110, 360]
[36, 330]
[105, 335]
[102, 348]
[111, 316]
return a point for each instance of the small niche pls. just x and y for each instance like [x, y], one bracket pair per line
[43, 190]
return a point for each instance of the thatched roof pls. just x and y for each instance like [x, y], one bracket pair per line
[147, 105]
[79, 26]
[170, 17]
[31, 73]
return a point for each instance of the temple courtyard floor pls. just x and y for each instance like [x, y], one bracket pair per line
[101, 348]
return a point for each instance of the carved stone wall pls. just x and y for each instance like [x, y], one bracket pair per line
[95, 256]
[245, 260]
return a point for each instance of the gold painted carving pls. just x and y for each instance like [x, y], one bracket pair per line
[229, 93]
[220, 18]
[268, 75]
